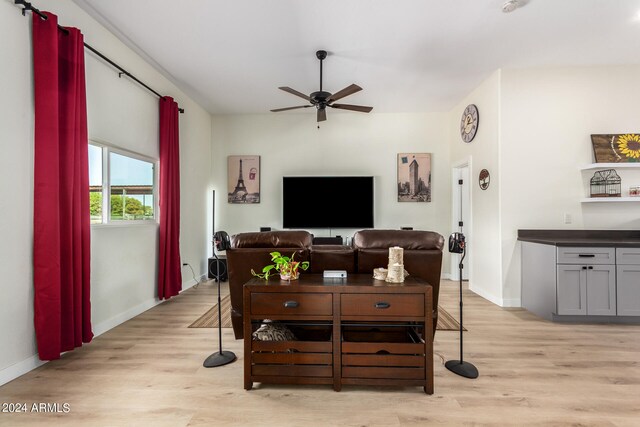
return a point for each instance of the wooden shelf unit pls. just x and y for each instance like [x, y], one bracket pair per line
[351, 331]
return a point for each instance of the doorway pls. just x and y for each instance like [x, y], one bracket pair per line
[461, 215]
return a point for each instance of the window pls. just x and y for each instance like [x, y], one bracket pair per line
[95, 183]
[121, 186]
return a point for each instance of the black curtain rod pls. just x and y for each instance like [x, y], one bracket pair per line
[28, 6]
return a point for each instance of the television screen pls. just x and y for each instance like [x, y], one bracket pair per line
[327, 202]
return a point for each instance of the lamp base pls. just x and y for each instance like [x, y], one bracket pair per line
[219, 358]
[464, 369]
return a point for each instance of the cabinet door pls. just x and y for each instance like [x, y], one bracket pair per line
[572, 289]
[629, 290]
[601, 290]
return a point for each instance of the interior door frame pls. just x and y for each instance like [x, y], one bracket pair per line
[458, 167]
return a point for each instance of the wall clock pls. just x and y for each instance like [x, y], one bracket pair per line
[483, 179]
[469, 123]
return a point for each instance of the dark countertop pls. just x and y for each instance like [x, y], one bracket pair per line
[593, 238]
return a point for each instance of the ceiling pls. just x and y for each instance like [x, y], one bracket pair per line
[407, 55]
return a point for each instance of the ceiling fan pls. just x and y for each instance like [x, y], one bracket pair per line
[321, 99]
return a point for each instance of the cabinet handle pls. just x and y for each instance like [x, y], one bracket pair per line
[382, 305]
[590, 267]
[586, 255]
[584, 267]
[290, 304]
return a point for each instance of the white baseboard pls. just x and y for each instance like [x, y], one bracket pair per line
[18, 369]
[511, 302]
[191, 283]
[108, 324]
[490, 297]
[501, 302]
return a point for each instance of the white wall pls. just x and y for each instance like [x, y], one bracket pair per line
[346, 144]
[548, 115]
[484, 263]
[120, 113]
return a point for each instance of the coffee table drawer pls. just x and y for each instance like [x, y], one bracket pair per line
[383, 305]
[269, 303]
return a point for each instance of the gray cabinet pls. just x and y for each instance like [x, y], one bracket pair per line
[628, 272]
[572, 289]
[586, 290]
[575, 283]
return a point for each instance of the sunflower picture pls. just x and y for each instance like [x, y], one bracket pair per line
[616, 148]
[629, 145]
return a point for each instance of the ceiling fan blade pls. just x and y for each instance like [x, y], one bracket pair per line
[349, 90]
[290, 108]
[295, 92]
[322, 115]
[360, 108]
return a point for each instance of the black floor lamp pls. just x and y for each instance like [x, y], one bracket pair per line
[460, 367]
[219, 358]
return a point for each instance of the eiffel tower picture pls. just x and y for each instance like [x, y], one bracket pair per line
[240, 167]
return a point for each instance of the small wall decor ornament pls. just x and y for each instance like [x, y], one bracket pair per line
[484, 179]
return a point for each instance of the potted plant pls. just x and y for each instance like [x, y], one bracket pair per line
[286, 266]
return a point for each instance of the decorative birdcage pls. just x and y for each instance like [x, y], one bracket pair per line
[606, 183]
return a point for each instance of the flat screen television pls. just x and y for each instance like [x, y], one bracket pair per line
[327, 202]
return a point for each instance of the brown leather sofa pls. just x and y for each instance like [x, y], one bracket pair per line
[422, 257]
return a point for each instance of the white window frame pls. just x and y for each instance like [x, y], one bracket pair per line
[107, 149]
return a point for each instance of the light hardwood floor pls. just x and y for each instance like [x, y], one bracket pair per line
[148, 371]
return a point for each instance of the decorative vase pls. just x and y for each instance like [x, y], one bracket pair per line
[294, 275]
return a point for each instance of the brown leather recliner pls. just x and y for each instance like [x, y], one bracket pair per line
[422, 255]
[251, 251]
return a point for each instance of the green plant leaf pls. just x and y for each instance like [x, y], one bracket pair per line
[268, 268]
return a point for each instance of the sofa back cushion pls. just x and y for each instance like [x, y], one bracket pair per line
[272, 239]
[407, 239]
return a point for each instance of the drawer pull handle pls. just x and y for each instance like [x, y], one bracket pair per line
[382, 305]
[584, 267]
[590, 267]
[586, 255]
[290, 304]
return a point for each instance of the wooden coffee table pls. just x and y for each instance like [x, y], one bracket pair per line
[349, 331]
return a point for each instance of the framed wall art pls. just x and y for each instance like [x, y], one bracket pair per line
[616, 148]
[484, 179]
[414, 177]
[243, 179]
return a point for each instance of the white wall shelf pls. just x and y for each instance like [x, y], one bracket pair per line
[610, 166]
[610, 199]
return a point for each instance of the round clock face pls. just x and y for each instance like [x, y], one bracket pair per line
[484, 179]
[469, 123]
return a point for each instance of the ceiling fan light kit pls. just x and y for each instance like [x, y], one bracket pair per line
[512, 5]
[322, 99]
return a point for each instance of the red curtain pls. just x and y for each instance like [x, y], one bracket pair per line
[61, 241]
[169, 267]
